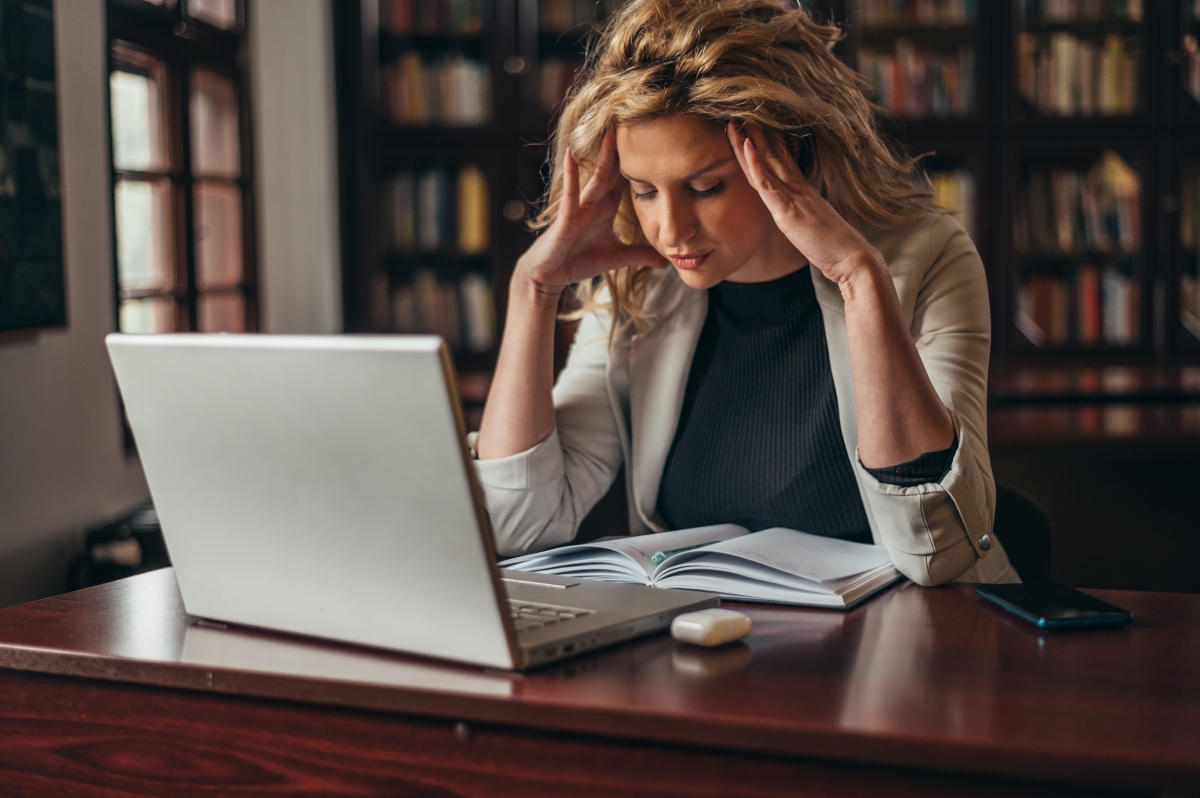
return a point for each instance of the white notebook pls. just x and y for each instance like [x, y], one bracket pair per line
[777, 566]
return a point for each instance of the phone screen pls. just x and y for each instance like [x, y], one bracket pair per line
[1051, 605]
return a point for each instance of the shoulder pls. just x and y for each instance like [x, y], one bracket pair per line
[930, 248]
[918, 244]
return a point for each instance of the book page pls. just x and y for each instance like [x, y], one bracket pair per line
[643, 548]
[584, 560]
[620, 559]
[813, 557]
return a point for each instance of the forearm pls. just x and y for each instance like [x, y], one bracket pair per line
[900, 416]
[520, 409]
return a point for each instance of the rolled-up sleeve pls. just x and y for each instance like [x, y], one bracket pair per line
[936, 531]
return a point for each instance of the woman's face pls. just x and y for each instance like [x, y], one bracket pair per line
[695, 205]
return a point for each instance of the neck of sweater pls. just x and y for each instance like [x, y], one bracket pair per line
[763, 304]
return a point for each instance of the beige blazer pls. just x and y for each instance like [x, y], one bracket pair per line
[623, 405]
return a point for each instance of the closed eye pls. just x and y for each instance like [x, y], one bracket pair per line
[716, 189]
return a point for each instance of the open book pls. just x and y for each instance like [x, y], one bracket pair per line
[778, 566]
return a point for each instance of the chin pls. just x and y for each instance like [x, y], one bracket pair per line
[698, 279]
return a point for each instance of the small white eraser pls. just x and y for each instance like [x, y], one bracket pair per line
[712, 627]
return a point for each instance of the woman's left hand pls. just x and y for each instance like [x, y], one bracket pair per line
[808, 221]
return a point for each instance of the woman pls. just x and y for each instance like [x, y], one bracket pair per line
[777, 327]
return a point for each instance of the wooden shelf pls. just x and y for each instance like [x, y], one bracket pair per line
[392, 45]
[402, 263]
[1108, 427]
[1093, 384]
[1084, 28]
[933, 36]
[1058, 133]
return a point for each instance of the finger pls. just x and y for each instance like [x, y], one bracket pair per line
[570, 201]
[649, 256]
[607, 206]
[787, 173]
[601, 181]
[622, 255]
[616, 180]
[754, 167]
[735, 141]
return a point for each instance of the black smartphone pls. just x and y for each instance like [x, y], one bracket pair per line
[1053, 606]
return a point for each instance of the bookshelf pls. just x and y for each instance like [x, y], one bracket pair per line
[444, 110]
[1065, 134]
[1073, 162]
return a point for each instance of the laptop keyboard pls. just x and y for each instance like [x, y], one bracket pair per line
[533, 614]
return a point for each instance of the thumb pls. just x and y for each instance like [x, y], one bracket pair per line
[648, 256]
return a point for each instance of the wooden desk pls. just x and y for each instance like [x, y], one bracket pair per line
[921, 692]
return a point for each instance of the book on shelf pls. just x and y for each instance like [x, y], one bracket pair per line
[1088, 303]
[917, 82]
[401, 210]
[920, 12]
[1080, 10]
[460, 310]
[438, 210]
[406, 17]
[1066, 75]
[1089, 306]
[437, 214]
[1189, 297]
[1189, 241]
[777, 566]
[472, 210]
[954, 193]
[1064, 210]
[1190, 60]
[556, 16]
[449, 89]
[478, 313]
[433, 210]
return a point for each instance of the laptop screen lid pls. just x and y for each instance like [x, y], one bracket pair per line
[318, 485]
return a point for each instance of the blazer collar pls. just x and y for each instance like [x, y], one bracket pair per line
[658, 371]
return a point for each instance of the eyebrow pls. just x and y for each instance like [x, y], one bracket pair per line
[692, 176]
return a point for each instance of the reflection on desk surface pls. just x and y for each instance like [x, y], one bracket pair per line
[245, 650]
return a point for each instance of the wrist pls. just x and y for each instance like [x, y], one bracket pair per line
[523, 288]
[863, 277]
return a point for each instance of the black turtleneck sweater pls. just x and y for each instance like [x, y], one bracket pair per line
[759, 441]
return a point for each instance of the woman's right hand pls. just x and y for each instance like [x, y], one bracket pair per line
[580, 243]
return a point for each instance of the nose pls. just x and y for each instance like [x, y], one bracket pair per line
[678, 222]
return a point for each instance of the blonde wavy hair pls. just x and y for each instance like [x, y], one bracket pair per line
[759, 62]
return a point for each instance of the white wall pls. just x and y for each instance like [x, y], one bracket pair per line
[295, 128]
[62, 463]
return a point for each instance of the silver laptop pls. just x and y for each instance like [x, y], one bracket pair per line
[321, 485]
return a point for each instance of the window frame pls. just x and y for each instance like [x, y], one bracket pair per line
[184, 45]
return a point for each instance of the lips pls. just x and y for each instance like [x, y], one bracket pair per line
[690, 261]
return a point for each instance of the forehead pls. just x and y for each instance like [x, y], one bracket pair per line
[670, 147]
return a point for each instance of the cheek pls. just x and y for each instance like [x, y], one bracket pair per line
[733, 218]
[747, 218]
[645, 219]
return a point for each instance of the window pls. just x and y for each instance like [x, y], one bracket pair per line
[182, 191]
